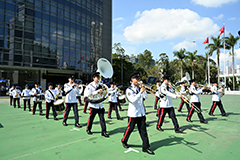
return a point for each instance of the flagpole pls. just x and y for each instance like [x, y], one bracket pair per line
[208, 68]
[224, 54]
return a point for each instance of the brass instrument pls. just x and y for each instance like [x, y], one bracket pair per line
[58, 93]
[185, 98]
[16, 96]
[151, 89]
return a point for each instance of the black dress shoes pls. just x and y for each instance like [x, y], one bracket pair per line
[224, 115]
[41, 114]
[211, 115]
[47, 118]
[180, 111]
[78, 125]
[119, 118]
[178, 130]
[89, 132]
[188, 120]
[85, 112]
[125, 145]
[109, 117]
[148, 151]
[64, 124]
[55, 118]
[204, 122]
[160, 129]
[104, 134]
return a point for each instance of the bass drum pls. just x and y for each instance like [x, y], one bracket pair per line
[59, 106]
[122, 99]
[40, 97]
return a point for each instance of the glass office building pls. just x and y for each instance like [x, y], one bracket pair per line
[46, 40]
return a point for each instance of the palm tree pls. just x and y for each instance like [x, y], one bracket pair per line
[192, 56]
[180, 55]
[215, 46]
[231, 41]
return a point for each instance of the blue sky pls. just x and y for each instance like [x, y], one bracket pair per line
[166, 26]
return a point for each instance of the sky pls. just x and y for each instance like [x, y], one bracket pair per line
[166, 26]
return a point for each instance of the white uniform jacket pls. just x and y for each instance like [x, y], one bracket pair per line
[135, 98]
[158, 89]
[194, 92]
[71, 93]
[37, 91]
[183, 90]
[216, 94]
[57, 92]
[26, 92]
[90, 90]
[112, 95]
[166, 91]
[10, 91]
[145, 95]
[14, 93]
[48, 95]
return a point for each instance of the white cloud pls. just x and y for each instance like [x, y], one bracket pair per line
[212, 3]
[161, 24]
[219, 16]
[137, 14]
[118, 19]
[185, 44]
[232, 18]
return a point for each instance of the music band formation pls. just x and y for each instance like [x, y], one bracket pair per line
[96, 92]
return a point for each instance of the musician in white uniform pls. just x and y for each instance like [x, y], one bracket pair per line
[157, 96]
[216, 98]
[59, 91]
[113, 102]
[136, 113]
[184, 91]
[166, 105]
[36, 92]
[194, 92]
[94, 88]
[71, 90]
[10, 95]
[16, 96]
[79, 99]
[26, 97]
[50, 97]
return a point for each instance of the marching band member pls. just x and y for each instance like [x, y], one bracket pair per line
[136, 113]
[71, 90]
[194, 92]
[59, 91]
[50, 96]
[184, 91]
[34, 92]
[216, 98]
[118, 102]
[78, 96]
[166, 106]
[10, 95]
[16, 96]
[26, 97]
[85, 103]
[96, 108]
[157, 96]
[113, 101]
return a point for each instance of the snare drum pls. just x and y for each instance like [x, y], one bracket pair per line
[122, 99]
[59, 105]
[40, 97]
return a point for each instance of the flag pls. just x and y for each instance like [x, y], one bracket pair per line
[222, 30]
[82, 57]
[206, 41]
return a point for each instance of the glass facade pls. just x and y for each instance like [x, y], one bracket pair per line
[56, 34]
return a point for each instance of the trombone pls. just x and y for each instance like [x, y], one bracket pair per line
[185, 98]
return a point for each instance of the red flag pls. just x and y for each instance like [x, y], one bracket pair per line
[206, 41]
[222, 30]
[82, 57]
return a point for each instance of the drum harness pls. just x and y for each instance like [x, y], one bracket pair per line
[51, 94]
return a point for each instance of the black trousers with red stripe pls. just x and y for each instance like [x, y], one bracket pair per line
[200, 116]
[156, 101]
[67, 110]
[11, 100]
[26, 101]
[171, 114]
[93, 112]
[141, 124]
[16, 100]
[113, 105]
[85, 104]
[48, 106]
[181, 105]
[35, 106]
[219, 104]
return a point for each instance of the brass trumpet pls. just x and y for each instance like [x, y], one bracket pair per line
[151, 89]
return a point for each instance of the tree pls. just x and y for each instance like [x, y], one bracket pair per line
[163, 62]
[180, 55]
[215, 46]
[192, 56]
[204, 63]
[145, 59]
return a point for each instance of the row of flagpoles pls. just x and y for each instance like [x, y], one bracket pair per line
[222, 30]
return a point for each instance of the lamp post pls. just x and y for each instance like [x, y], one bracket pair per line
[194, 60]
[122, 57]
